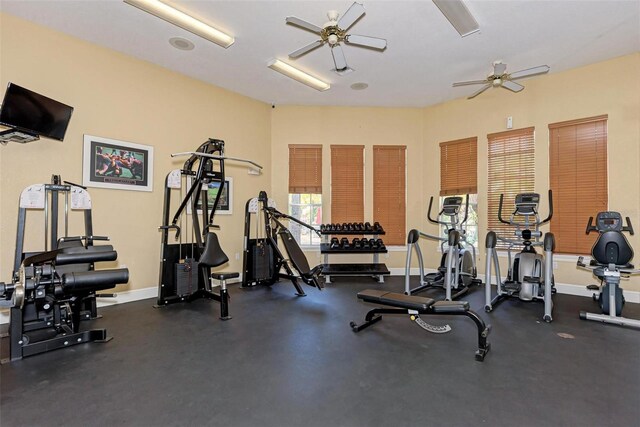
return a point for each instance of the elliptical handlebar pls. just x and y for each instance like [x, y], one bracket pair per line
[466, 211]
[548, 218]
[628, 227]
[590, 226]
[500, 211]
[435, 221]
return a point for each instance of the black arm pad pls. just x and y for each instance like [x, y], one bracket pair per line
[94, 280]
[549, 242]
[413, 236]
[491, 240]
[85, 257]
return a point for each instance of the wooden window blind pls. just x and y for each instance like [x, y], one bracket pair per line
[389, 187]
[347, 183]
[459, 167]
[305, 169]
[578, 177]
[511, 171]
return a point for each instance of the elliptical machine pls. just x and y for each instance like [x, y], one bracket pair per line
[611, 255]
[530, 276]
[457, 270]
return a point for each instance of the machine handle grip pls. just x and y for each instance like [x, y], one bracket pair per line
[435, 221]
[590, 226]
[466, 210]
[629, 227]
[169, 227]
[500, 210]
[547, 219]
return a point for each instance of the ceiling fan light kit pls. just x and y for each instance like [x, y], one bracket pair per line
[298, 75]
[500, 78]
[459, 16]
[182, 20]
[334, 33]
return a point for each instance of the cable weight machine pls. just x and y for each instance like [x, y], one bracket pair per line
[185, 267]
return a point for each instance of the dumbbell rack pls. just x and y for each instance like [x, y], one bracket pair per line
[376, 269]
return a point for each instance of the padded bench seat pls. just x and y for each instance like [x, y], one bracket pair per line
[224, 276]
[396, 300]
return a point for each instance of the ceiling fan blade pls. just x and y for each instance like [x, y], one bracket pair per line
[366, 41]
[306, 49]
[529, 72]
[471, 82]
[338, 58]
[482, 89]
[351, 16]
[512, 86]
[499, 68]
[303, 24]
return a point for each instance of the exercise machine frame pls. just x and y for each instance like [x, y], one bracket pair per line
[263, 260]
[611, 256]
[454, 274]
[528, 285]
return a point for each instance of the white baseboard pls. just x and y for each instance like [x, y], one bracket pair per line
[152, 292]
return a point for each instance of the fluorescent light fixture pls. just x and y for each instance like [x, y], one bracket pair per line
[298, 75]
[182, 20]
[459, 16]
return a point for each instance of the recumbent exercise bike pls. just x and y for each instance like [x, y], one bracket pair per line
[611, 257]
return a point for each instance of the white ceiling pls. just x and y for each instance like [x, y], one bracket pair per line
[424, 54]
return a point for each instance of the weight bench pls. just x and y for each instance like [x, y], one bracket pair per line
[414, 306]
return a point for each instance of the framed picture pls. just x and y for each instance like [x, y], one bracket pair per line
[225, 204]
[109, 163]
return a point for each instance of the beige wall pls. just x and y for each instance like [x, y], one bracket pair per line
[119, 97]
[116, 96]
[344, 125]
[611, 87]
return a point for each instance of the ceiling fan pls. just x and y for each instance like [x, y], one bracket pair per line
[334, 33]
[500, 78]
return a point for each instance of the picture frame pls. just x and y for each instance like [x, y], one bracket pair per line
[225, 204]
[117, 165]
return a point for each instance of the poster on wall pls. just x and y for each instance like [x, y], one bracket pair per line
[119, 165]
[225, 203]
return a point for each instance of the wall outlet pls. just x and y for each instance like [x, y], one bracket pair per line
[509, 122]
[237, 256]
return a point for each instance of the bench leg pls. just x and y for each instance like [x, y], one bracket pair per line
[374, 316]
[224, 301]
[483, 333]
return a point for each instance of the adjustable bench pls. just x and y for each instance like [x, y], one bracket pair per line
[414, 306]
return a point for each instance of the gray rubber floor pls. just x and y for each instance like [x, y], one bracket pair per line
[289, 361]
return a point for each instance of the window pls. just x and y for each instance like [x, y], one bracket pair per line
[578, 176]
[305, 190]
[308, 209]
[347, 183]
[389, 198]
[511, 171]
[459, 177]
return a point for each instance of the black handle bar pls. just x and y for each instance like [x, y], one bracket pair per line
[500, 211]
[466, 211]
[277, 214]
[629, 227]
[550, 209]
[435, 221]
[169, 227]
[590, 226]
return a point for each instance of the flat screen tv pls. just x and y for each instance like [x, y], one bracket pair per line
[33, 113]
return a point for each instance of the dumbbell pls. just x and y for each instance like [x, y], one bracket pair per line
[337, 227]
[335, 243]
[344, 243]
[365, 244]
[358, 226]
[322, 228]
[373, 243]
[356, 244]
[345, 226]
[367, 226]
[381, 245]
[377, 226]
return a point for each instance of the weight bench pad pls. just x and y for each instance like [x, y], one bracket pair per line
[224, 276]
[450, 307]
[393, 299]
